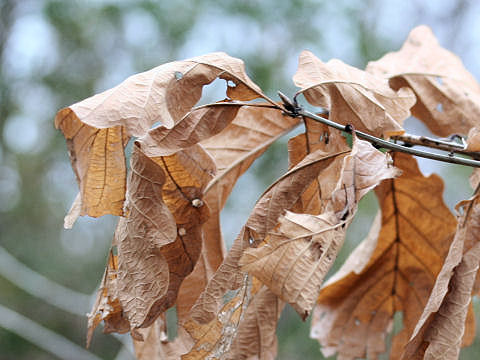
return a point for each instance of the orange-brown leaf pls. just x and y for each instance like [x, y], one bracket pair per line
[356, 306]
[353, 96]
[256, 334]
[214, 338]
[448, 96]
[98, 128]
[298, 253]
[234, 150]
[143, 270]
[317, 136]
[439, 331]
[107, 307]
[278, 198]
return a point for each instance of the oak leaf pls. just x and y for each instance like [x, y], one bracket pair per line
[297, 254]
[234, 150]
[353, 96]
[107, 307]
[279, 197]
[317, 136]
[356, 305]
[143, 270]
[214, 337]
[448, 96]
[445, 321]
[256, 334]
[97, 129]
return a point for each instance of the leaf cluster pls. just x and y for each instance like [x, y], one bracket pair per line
[168, 250]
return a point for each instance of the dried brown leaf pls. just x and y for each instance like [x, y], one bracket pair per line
[164, 194]
[279, 197]
[256, 334]
[317, 136]
[97, 159]
[98, 128]
[155, 344]
[295, 258]
[214, 338]
[353, 96]
[298, 253]
[107, 307]
[143, 270]
[199, 124]
[234, 150]
[356, 307]
[448, 96]
[442, 326]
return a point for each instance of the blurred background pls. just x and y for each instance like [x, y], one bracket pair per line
[55, 53]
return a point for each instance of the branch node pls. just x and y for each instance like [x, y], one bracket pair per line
[292, 108]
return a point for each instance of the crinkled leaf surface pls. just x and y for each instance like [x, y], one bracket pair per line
[234, 150]
[187, 174]
[143, 270]
[256, 334]
[298, 253]
[317, 136]
[353, 96]
[448, 96]
[439, 332]
[357, 305]
[279, 197]
[97, 129]
[214, 338]
[107, 306]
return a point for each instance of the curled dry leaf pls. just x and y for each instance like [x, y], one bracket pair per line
[357, 305]
[98, 128]
[143, 270]
[234, 150]
[153, 256]
[439, 332]
[279, 197]
[256, 334]
[155, 344]
[317, 136]
[213, 339]
[353, 96]
[298, 253]
[187, 174]
[448, 96]
[107, 307]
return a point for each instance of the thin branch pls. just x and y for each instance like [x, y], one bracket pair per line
[450, 158]
[441, 144]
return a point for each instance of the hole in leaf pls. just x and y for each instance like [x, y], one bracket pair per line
[213, 92]
[155, 125]
[326, 136]
[230, 83]
[250, 241]
[397, 322]
[171, 319]
[439, 80]
[439, 107]
[229, 295]
[178, 75]
[357, 322]
[320, 138]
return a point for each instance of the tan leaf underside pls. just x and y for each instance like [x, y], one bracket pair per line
[448, 96]
[356, 306]
[353, 96]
